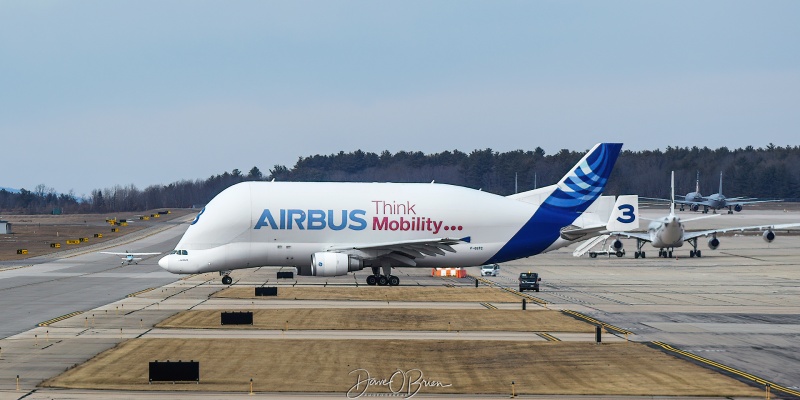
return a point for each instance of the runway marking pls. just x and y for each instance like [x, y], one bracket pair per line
[28, 394]
[134, 294]
[13, 268]
[596, 322]
[486, 282]
[56, 319]
[489, 306]
[525, 295]
[760, 381]
[192, 287]
[548, 337]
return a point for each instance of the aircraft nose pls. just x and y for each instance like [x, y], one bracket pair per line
[164, 263]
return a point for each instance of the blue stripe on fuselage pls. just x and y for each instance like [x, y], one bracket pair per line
[541, 230]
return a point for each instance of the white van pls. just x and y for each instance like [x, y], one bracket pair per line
[490, 270]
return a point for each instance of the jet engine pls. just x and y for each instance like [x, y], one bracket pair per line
[694, 207]
[334, 264]
[737, 207]
[617, 245]
[713, 243]
[768, 236]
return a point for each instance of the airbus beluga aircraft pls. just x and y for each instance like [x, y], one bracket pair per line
[332, 228]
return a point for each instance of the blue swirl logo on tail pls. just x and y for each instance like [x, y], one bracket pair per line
[578, 189]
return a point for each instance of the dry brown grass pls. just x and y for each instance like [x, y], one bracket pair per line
[557, 368]
[379, 293]
[388, 319]
[36, 232]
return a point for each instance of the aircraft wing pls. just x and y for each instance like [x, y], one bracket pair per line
[778, 227]
[574, 233]
[654, 199]
[701, 217]
[677, 201]
[404, 251]
[744, 202]
[636, 235]
[128, 254]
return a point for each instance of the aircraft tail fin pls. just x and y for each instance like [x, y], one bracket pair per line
[697, 183]
[561, 204]
[720, 183]
[672, 194]
[584, 183]
[625, 214]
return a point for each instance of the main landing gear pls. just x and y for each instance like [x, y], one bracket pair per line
[665, 253]
[695, 252]
[226, 277]
[639, 252]
[387, 279]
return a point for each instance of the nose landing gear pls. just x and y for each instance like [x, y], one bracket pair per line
[226, 277]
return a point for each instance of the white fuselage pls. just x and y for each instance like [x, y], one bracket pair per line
[284, 223]
[666, 232]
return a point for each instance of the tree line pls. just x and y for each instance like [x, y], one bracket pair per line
[770, 172]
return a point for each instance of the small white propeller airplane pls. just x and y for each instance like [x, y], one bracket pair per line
[129, 257]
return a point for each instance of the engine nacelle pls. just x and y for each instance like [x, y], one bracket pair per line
[617, 245]
[334, 264]
[768, 236]
[694, 207]
[713, 243]
[737, 207]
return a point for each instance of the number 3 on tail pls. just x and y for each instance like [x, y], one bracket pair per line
[627, 214]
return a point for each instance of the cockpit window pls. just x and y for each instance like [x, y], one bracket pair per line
[184, 253]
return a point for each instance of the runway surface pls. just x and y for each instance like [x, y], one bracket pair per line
[50, 287]
[738, 305]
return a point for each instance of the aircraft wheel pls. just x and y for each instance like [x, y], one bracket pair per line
[691, 253]
[620, 254]
[697, 253]
[383, 280]
[670, 254]
[592, 255]
[227, 280]
[642, 254]
[372, 280]
[394, 281]
[636, 255]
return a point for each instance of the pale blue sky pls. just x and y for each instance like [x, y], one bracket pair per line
[98, 93]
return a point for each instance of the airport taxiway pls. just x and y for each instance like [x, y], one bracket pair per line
[738, 305]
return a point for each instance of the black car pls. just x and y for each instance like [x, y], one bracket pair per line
[529, 281]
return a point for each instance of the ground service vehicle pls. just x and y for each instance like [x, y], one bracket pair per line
[529, 281]
[490, 270]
